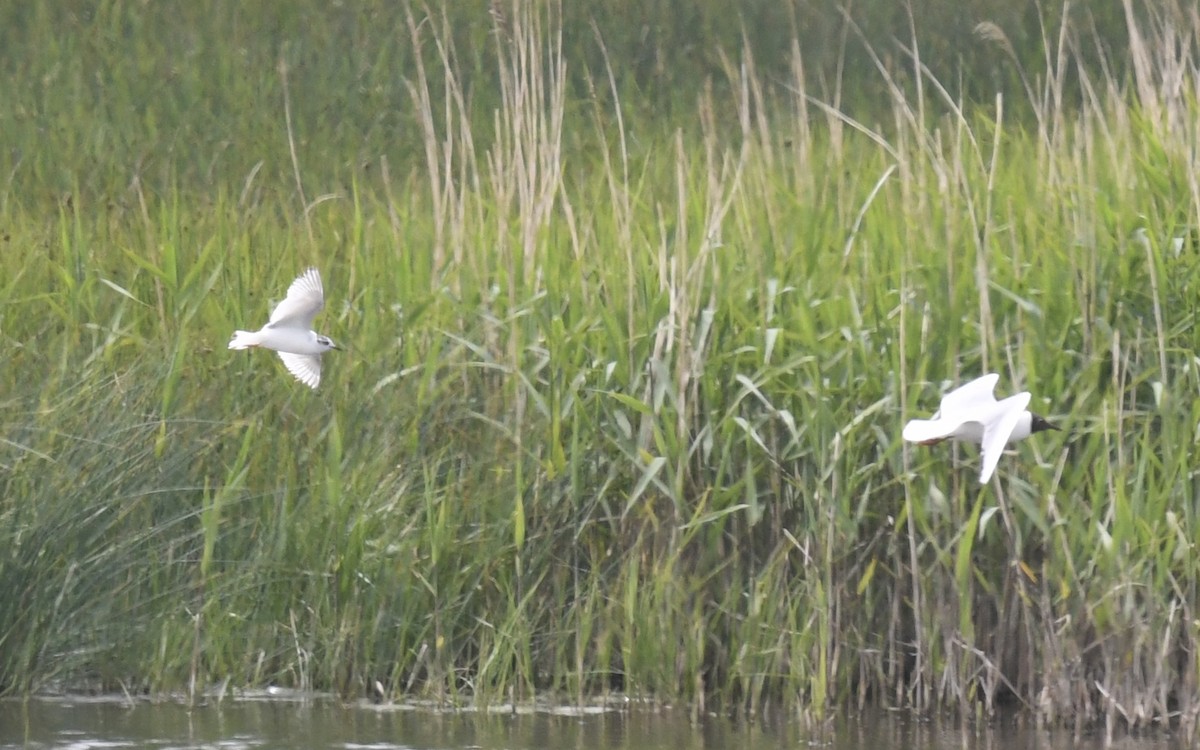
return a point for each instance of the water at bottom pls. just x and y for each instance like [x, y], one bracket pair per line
[301, 722]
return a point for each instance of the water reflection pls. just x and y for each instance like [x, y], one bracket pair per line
[269, 722]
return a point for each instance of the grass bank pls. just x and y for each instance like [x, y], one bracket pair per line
[621, 403]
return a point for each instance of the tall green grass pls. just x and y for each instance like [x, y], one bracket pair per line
[620, 403]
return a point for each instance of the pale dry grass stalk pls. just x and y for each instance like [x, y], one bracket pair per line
[451, 163]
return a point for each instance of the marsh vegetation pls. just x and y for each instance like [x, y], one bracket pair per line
[621, 405]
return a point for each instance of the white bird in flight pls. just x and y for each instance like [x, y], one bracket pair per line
[289, 331]
[970, 412]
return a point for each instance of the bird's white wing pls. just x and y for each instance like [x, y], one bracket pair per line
[306, 367]
[998, 430]
[961, 405]
[970, 396]
[929, 430]
[304, 300]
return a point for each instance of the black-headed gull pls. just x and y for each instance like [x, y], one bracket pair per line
[971, 413]
[289, 332]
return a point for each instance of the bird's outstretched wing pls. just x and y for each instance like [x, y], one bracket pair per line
[997, 431]
[929, 430]
[306, 367]
[304, 300]
[970, 396]
[959, 406]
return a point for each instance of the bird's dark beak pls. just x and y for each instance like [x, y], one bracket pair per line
[1040, 424]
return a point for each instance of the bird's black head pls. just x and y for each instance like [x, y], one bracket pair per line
[1039, 423]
